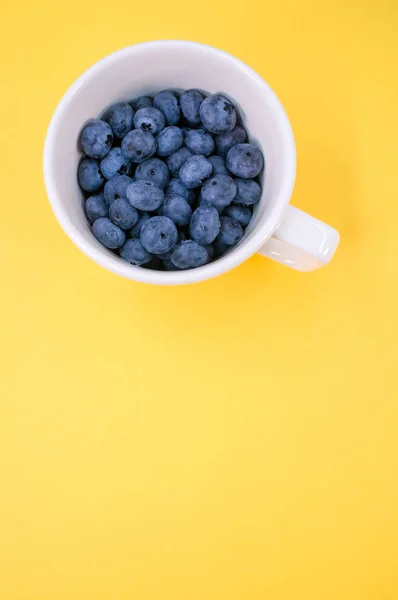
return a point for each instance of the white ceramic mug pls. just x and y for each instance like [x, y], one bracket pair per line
[277, 230]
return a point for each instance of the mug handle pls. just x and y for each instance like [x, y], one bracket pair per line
[301, 241]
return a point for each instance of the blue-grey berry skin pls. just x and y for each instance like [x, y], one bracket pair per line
[141, 102]
[96, 207]
[219, 206]
[138, 145]
[205, 225]
[89, 175]
[145, 195]
[166, 255]
[177, 159]
[168, 104]
[108, 234]
[181, 237]
[136, 230]
[122, 214]
[225, 141]
[120, 117]
[149, 119]
[168, 265]
[195, 170]
[248, 192]
[116, 188]
[169, 140]
[177, 209]
[219, 249]
[134, 252]
[154, 170]
[242, 214]
[210, 251]
[245, 160]
[115, 163]
[219, 190]
[189, 255]
[190, 102]
[159, 235]
[96, 138]
[230, 231]
[218, 164]
[200, 142]
[176, 186]
[217, 114]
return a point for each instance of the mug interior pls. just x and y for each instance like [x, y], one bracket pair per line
[147, 69]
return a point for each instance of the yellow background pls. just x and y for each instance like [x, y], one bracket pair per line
[235, 439]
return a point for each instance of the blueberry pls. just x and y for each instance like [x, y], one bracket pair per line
[168, 265]
[120, 117]
[108, 234]
[205, 225]
[190, 102]
[169, 140]
[123, 214]
[149, 119]
[219, 190]
[217, 114]
[141, 102]
[245, 160]
[218, 164]
[138, 145]
[195, 170]
[210, 251]
[177, 209]
[230, 231]
[176, 186]
[159, 235]
[96, 207]
[248, 192]
[189, 255]
[115, 163]
[154, 170]
[145, 195]
[166, 255]
[181, 237]
[225, 141]
[115, 188]
[96, 139]
[177, 159]
[219, 249]
[136, 230]
[89, 175]
[242, 214]
[167, 103]
[199, 142]
[219, 207]
[134, 252]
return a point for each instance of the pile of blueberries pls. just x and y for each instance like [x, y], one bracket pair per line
[170, 180]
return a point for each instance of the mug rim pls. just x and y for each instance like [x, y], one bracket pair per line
[115, 264]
